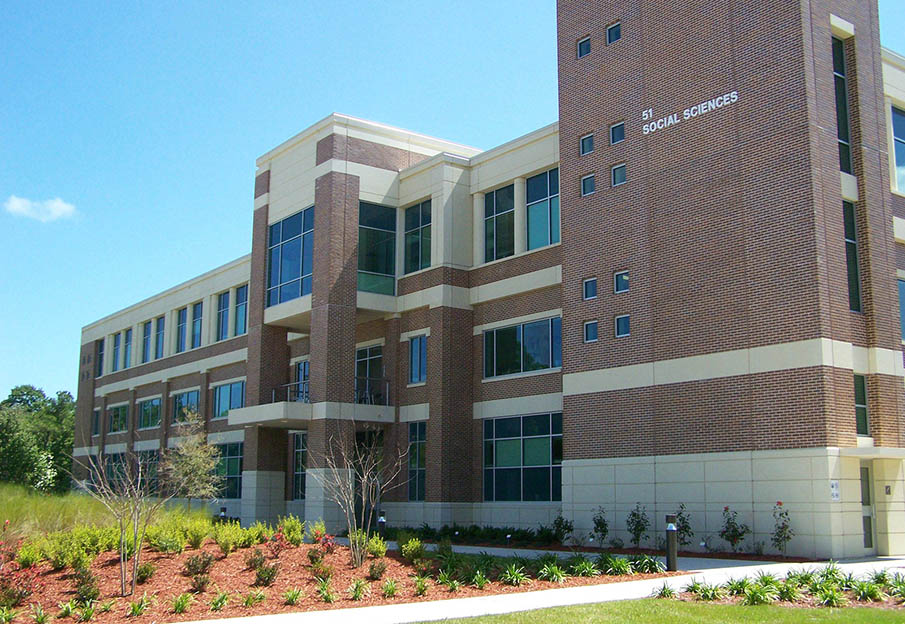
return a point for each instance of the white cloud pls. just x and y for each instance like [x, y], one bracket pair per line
[43, 211]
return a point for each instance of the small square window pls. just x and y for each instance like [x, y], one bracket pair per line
[622, 326]
[584, 47]
[614, 33]
[589, 288]
[620, 282]
[586, 145]
[590, 331]
[587, 184]
[619, 175]
[617, 133]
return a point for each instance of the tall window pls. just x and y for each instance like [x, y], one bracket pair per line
[96, 422]
[369, 382]
[851, 256]
[290, 257]
[127, 349]
[183, 402]
[499, 223]
[418, 359]
[181, 323]
[300, 463]
[521, 348]
[522, 458]
[146, 342]
[861, 421]
[117, 341]
[196, 324]
[902, 307]
[898, 139]
[228, 396]
[118, 419]
[301, 393]
[417, 461]
[241, 310]
[149, 462]
[230, 468]
[543, 209]
[842, 119]
[418, 236]
[149, 414]
[99, 357]
[223, 316]
[376, 248]
[158, 338]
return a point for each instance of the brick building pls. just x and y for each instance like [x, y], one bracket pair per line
[685, 291]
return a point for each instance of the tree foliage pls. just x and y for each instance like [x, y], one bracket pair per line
[190, 468]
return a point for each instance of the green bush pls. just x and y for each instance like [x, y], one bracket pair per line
[412, 550]
[29, 555]
[514, 575]
[265, 574]
[359, 589]
[86, 587]
[181, 603]
[377, 548]
[227, 536]
[376, 570]
[293, 529]
[200, 583]
[196, 531]
[390, 588]
[293, 595]
[757, 594]
[145, 572]
[166, 538]
[551, 572]
[198, 564]
[867, 591]
[258, 533]
[255, 559]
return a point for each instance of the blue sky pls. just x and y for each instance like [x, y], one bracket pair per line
[129, 131]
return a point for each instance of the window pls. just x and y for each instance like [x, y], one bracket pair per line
[866, 519]
[146, 342]
[158, 338]
[590, 331]
[842, 120]
[861, 422]
[290, 253]
[542, 194]
[127, 349]
[149, 461]
[898, 139]
[586, 144]
[184, 402]
[117, 340]
[522, 458]
[587, 184]
[96, 422]
[418, 237]
[618, 175]
[521, 348]
[622, 326]
[300, 462]
[376, 248]
[499, 223]
[851, 256]
[614, 33]
[617, 133]
[418, 359]
[620, 282]
[228, 396]
[417, 460]
[370, 387]
[181, 322]
[223, 316]
[301, 392]
[149, 414]
[196, 325]
[118, 419]
[241, 319]
[589, 288]
[230, 468]
[99, 357]
[584, 47]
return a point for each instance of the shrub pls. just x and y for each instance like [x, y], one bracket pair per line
[293, 595]
[7, 615]
[601, 526]
[166, 538]
[637, 524]
[359, 589]
[479, 579]
[757, 594]
[800, 577]
[562, 528]
[376, 570]
[265, 574]
[28, 555]
[447, 579]
[145, 572]
[830, 574]
[293, 528]
[896, 585]
[683, 526]
[315, 555]
[318, 531]
[390, 588]
[665, 591]
[377, 547]
[200, 583]
[181, 603]
[514, 575]
[584, 568]
[86, 587]
[39, 615]
[106, 607]
[867, 591]
[254, 597]
[325, 591]
[782, 528]
[412, 550]
[737, 587]
[86, 613]
[766, 579]
[139, 606]
[789, 591]
[227, 536]
[551, 572]
[255, 559]
[545, 535]
[196, 532]
[277, 544]
[709, 592]
[198, 564]
[219, 601]
[421, 586]
[646, 564]
[615, 566]
[321, 571]
[830, 596]
[258, 533]
[733, 531]
[881, 578]
[66, 609]
[17, 584]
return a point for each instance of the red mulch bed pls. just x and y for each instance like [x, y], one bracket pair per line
[230, 574]
[807, 602]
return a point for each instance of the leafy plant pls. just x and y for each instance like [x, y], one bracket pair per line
[683, 526]
[766, 579]
[737, 587]
[106, 607]
[757, 594]
[138, 607]
[377, 548]
[255, 559]
[66, 609]
[28, 555]
[359, 589]
[181, 603]
[637, 524]
[896, 586]
[479, 579]
[448, 580]
[219, 601]
[196, 532]
[320, 571]
[615, 566]
[412, 550]
[880, 577]
[198, 564]
[782, 528]
[800, 577]
[831, 573]
[257, 533]
[514, 575]
[265, 574]
[867, 591]
[86, 587]
[646, 564]
[848, 582]
[145, 572]
[601, 526]
[254, 597]
[86, 613]
[39, 615]
[200, 583]
[376, 570]
[733, 531]
[293, 528]
[584, 568]
[789, 591]
[562, 528]
[665, 591]
[277, 544]
[709, 592]
[830, 596]
[421, 585]
[325, 591]
[390, 588]
[227, 535]
[7, 615]
[166, 538]
[293, 595]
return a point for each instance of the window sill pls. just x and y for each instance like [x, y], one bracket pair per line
[546, 371]
[148, 428]
[417, 384]
[117, 432]
[514, 256]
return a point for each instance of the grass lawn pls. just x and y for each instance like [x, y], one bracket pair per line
[676, 612]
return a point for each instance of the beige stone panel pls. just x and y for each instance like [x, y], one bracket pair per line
[637, 492]
[728, 470]
[675, 493]
[535, 280]
[582, 475]
[894, 76]
[728, 493]
[667, 472]
[641, 473]
[781, 469]
[786, 490]
[532, 153]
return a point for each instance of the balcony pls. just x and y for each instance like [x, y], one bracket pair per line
[293, 393]
[372, 391]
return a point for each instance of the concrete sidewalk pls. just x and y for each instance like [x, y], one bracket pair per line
[527, 601]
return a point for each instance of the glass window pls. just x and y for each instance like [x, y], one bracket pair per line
[590, 331]
[499, 223]
[230, 468]
[118, 419]
[842, 117]
[96, 422]
[228, 396]
[898, 139]
[620, 282]
[586, 144]
[300, 463]
[617, 133]
[376, 248]
[149, 461]
[196, 325]
[418, 359]
[149, 414]
[158, 338]
[851, 256]
[181, 323]
[290, 253]
[184, 402]
[117, 341]
[622, 326]
[613, 33]
[127, 348]
[223, 316]
[417, 460]
[418, 236]
[587, 184]
[241, 312]
[301, 390]
[370, 386]
[861, 420]
[146, 342]
[526, 347]
[618, 175]
[522, 458]
[589, 288]
[584, 47]
[99, 357]
[543, 209]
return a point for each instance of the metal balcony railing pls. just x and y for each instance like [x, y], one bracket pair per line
[372, 391]
[294, 392]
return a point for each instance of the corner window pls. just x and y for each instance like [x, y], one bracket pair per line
[241, 312]
[586, 144]
[183, 403]
[589, 288]
[617, 133]
[181, 325]
[619, 175]
[376, 248]
[587, 184]
[614, 33]
[223, 316]
[523, 457]
[417, 460]
[418, 237]
[417, 359]
[620, 282]
[861, 420]
[542, 195]
[230, 468]
[499, 223]
[290, 250]
[118, 419]
[228, 396]
[898, 139]
[840, 82]
[300, 464]
[584, 47]
[622, 326]
[149, 414]
[522, 348]
[196, 324]
[590, 331]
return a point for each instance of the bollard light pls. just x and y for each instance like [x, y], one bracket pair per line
[222, 513]
[672, 543]
[381, 523]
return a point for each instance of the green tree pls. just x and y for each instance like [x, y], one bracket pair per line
[189, 470]
[22, 459]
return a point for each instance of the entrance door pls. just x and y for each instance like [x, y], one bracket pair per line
[867, 509]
